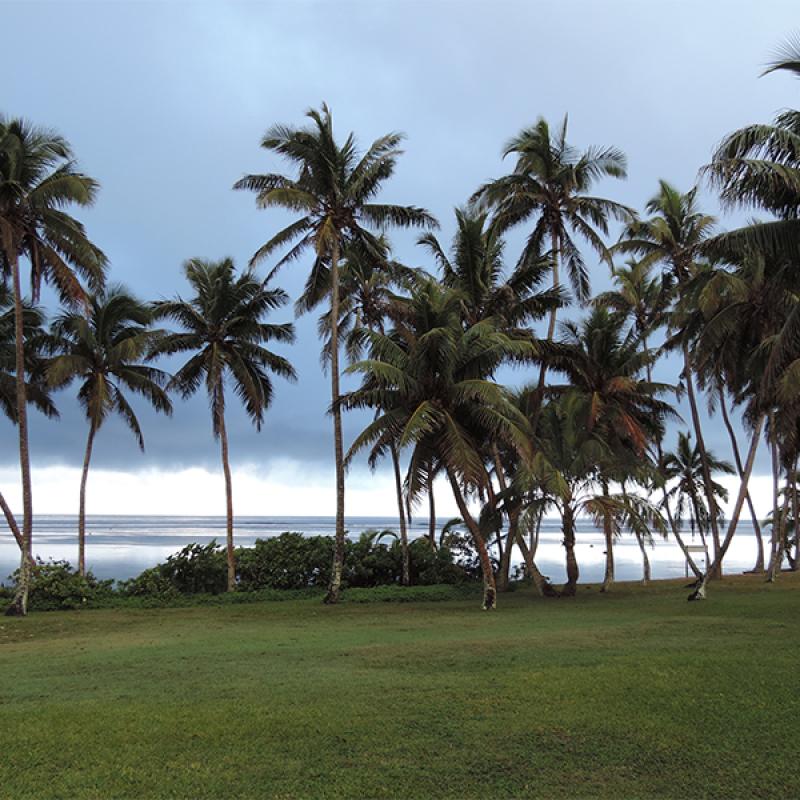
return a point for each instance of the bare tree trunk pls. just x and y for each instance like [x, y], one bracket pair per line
[794, 562]
[19, 605]
[759, 565]
[82, 505]
[716, 572]
[226, 468]
[543, 587]
[12, 522]
[645, 559]
[699, 592]
[489, 588]
[338, 446]
[573, 573]
[431, 517]
[608, 534]
[511, 537]
[406, 577]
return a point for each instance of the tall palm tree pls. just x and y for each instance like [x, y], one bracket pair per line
[223, 330]
[106, 350]
[430, 380]
[606, 369]
[513, 300]
[36, 348]
[367, 285]
[38, 180]
[551, 184]
[333, 189]
[676, 235]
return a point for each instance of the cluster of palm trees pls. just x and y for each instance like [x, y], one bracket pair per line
[583, 433]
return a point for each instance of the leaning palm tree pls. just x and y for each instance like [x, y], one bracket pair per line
[224, 331]
[106, 350]
[333, 190]
[36, 347]
[38, 180]
[430, 381]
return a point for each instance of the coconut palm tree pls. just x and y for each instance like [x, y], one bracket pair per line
[223, 330]
[430, 381]
[676, 235]
[36, 348]
[684, 473]
[513, 300]
[367, 286]
[106, 351]
[550, 185]
[333, 190]
[606, 368]
[38, 180]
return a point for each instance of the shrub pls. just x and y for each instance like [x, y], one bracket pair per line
[56, 585]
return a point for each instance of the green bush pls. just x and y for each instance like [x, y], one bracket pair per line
[288, 561]
[56, 585]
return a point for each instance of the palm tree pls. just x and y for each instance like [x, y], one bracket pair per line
[106, 351]
[36, 348]
[550, 183]
[605, 367]
[333, 190]
[476, 268]
[224, 332]
[684, 472]
[676, 235]
[367, 287]
[430, 381]
[38, 179]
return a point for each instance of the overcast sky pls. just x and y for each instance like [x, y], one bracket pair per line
[165, 104]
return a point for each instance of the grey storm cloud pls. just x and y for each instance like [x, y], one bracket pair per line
[165, 104]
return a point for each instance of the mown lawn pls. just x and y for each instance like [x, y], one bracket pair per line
[632, 695]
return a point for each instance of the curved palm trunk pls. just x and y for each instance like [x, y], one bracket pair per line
[573, 573]
[645, 559]
[406, 577]
[543, 587]
[489, 588]
[716, 571]
[226, 468]
[759, 565]
[776, 550]
[12, 522]
[82, 507]
[338, 447]
[700, 590]
[608, 535]
[19, 605]
[431, 518]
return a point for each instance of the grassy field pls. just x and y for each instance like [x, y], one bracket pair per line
[631, 695]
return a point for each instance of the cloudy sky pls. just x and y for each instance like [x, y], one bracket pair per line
[165, 103]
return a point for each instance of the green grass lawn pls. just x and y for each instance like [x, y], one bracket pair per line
[629, 695]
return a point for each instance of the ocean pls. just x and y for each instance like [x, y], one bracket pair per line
[120, 547]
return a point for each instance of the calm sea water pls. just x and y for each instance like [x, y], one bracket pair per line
[122, 546]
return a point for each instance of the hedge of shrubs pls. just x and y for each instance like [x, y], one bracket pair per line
[290, 564]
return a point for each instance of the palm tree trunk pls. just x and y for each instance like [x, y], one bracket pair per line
[12, 522]
[338, 447]
[489, 588]
[431, 517]
[82, 505]
[226, 468]
[776, 554]
[19, 605]
[699, 592]
[608, 534]
[645, 559]
[759, 565]
[513, 525]
[398, 483]
[543, 587]
[709, 489]
[573, 573]
[795, 563]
